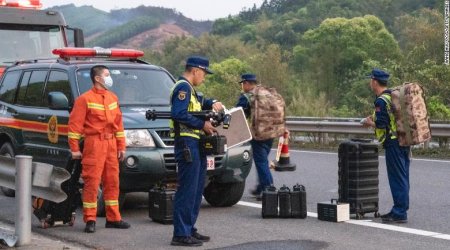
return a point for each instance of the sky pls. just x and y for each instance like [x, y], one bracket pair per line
[195, 9]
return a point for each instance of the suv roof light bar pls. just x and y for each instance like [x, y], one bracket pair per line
[34, 4]
[69, 52]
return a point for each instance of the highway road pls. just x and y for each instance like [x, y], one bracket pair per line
[241, 226]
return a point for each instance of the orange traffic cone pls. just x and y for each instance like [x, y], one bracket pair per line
[282, 162]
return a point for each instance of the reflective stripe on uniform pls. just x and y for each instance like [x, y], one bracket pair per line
[112, 106]
[172, 134]
[120, 134]
[111, 202]
[92, 105]
[89, 204]
[73, 135]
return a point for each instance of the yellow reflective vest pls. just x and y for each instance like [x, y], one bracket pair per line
[194, 105]
[380, 133]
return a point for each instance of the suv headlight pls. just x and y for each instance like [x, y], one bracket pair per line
[138, 138]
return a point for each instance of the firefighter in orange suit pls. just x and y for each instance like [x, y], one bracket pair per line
[97, 117]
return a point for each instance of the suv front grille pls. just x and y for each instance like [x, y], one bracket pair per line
[165, 137]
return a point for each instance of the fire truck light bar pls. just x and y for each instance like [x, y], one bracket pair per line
[97, 52]
[35, 4]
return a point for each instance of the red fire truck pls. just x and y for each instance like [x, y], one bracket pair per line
[28, 33]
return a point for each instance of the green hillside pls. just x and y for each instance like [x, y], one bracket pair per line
[88, 18]
[113, 28]
[317, 52]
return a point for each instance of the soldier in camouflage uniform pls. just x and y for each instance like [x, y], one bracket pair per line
[260, 148]
[397, 157]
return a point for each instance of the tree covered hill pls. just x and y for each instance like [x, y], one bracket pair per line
[317, 52]
[111, 29]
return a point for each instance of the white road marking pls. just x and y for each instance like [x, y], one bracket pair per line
[370, 223]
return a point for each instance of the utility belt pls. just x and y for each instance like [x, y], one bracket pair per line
[103, 136]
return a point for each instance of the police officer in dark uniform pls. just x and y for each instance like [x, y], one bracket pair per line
[397, 157]
[260, 148]
[187, 131]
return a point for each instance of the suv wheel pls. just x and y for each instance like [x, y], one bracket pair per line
[224, 194]
[101, 209]
[7, 150]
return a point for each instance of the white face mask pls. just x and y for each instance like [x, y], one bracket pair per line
[108, 82]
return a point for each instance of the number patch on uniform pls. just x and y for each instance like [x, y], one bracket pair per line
[210, 164]
[182, 95]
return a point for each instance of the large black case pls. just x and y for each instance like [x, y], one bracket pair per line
[298, 202]
[49, 213]
[160, 204]
[358, 176]
[269, 203]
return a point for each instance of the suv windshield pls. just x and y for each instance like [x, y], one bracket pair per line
[24, 42]
[134, 86]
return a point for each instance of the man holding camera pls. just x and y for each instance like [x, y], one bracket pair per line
[187, 131]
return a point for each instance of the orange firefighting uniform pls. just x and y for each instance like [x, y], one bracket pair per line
[97, 117]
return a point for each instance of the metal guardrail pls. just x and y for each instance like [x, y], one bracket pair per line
[46, 179]
[347, 126]
[29, 178]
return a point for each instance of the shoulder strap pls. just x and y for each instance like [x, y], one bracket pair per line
[386, 97]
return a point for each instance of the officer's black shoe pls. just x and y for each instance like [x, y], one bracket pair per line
[200, 237]
[186, 241]
[90, 227]
[385, 215]
[117, 224]
[255, 192]
[390, 219]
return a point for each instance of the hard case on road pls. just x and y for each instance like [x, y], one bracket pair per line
[160, 204]
[50, 213]
[298, 202]
[269, 203]
[358, 176]
[333, 211]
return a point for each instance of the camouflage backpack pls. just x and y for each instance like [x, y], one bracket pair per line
[411, 115]
[267, 113]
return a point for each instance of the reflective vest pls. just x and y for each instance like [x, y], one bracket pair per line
[380, 133]
[194, 105]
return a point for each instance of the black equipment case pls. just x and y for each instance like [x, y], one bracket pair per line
[298, 202]
[270, 203]
[160, 204]
[284, 202]
[50, 213]
[358, 176]
[214, 144]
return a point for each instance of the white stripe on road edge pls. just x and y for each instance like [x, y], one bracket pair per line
[381, 156]
[249, 204]
[369, 223]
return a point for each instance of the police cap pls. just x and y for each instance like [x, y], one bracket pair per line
[248, 77]
[199, 62]
[379, 74]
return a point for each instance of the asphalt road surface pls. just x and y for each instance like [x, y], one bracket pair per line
[241, 226]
